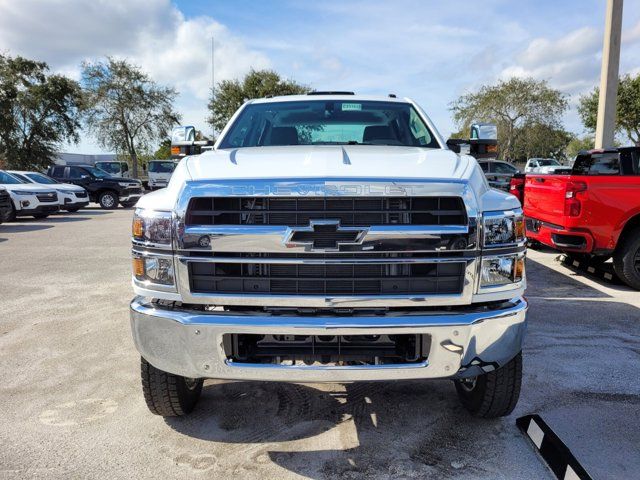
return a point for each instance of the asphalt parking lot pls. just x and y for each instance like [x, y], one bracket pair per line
[72, 406]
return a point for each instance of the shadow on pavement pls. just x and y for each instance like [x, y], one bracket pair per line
[19, 228]
[413, 428]
[74, 218]
[542, 281]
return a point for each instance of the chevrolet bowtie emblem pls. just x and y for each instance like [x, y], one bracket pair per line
[324, 236]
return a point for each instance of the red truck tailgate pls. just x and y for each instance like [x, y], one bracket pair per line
[544, 197]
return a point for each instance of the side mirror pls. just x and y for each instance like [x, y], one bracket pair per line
[484, 131]
[459, 145]
[453, 146]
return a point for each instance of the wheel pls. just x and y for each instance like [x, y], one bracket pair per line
[41, 216]
[108, 200]
[72, 210]
[167, 394]
[493, 394]
[626, 259]
[11, 216]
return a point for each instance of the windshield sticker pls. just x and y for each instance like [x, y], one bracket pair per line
[351, 106]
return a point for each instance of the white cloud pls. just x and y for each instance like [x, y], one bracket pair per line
[570, 63]
[154, 34]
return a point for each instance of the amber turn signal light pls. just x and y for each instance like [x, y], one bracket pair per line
[519, 269]
[519, 229]
[138, 267]
[137, 227]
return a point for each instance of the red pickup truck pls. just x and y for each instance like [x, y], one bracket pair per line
[594, 210]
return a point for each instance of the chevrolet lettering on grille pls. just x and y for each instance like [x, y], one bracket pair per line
[324, 236]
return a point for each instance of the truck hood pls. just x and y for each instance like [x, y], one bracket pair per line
[334, 162]
[322, 161]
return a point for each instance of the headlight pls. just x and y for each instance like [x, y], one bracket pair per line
[68, 192]
[26, 192]
[503, 228]
[152, 227]
[502, 270]
[154, 269]
[129, 184]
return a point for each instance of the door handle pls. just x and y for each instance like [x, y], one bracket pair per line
[540, 180]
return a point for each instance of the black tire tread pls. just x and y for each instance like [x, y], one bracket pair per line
[622, 264]
[162, 393]
[503, 389]
[499, 391]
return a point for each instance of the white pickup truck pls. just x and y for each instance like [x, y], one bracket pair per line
[329, 238]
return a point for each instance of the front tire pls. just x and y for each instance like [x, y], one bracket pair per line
[11, 216]
[626, 259]
[108, 200]
[494, 394]
[167, 394]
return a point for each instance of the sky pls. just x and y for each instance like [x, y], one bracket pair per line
[431, 51]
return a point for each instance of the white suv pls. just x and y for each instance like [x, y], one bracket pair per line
[28, 200]
[70, 197]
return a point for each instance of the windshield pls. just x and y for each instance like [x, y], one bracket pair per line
[97, 172]
[329, 122]
[547, 162]
[161, 167]
[10, 179]
[110, 167]
[40, 178]
[21, 177]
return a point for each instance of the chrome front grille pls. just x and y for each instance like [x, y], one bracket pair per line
[51, 197]
[320, 246]
[349, 211]
[327, 278]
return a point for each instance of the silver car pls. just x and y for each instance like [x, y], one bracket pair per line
[498, 173]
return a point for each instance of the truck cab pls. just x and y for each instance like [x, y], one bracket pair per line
[159, 173]
[329, 237]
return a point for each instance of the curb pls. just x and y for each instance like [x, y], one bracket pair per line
[552, 449]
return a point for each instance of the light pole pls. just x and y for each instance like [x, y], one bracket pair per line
[606, 122]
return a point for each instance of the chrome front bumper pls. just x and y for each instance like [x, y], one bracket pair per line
[463, 342]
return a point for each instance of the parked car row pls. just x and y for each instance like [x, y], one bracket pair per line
[69, 188]
[29, 199]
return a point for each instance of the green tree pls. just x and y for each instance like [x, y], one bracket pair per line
[164, 151]
[540, 140]
[128, 111]
[38, 111]
[231, 94]
[511, 104]
[627, 108]
[579, 143]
